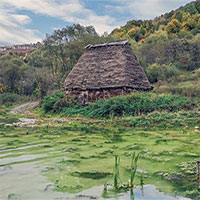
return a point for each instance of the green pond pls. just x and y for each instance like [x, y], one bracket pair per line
[73, 160]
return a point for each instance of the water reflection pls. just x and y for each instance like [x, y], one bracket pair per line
[146, 192]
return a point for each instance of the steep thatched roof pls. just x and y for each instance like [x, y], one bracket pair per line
[107, 65]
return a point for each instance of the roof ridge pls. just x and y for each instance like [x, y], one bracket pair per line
[115, 43]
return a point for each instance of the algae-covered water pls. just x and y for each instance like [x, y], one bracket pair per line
[62, 159]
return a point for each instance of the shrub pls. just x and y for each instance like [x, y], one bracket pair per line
[64, 102]
[132, 105]
[13, 98]
[57, 102]
[158, 72]
[8, 98]
[50, 101]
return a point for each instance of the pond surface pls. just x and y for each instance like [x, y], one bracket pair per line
[75, 160]
[25, 182]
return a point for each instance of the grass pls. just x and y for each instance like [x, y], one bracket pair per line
[130, 105]
[163, 120]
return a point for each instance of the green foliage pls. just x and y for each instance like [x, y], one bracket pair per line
[11, 70]
[191, 91]
[37, 59]
[12, 98]
[131, 105]
[57, 102]
[50, 101]
[138, 103]
[173, 27]
[64, 102]
[8, 98]
[163, 120]
[158, 72]
[175, 23]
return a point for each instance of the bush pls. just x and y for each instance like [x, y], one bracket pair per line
[13, 98]
[132, 105]
[64, 102]
[158, 72]
[8, 98]
[57, 102]
[50, 101]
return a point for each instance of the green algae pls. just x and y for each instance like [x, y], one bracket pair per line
[76, 154]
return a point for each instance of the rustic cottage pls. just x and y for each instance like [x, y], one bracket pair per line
[106, 70]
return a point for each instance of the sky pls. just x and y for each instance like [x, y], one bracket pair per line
[28, 21]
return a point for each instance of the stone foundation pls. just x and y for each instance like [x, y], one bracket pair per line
[86, 96]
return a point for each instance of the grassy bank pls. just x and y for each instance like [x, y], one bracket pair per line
[136, 104]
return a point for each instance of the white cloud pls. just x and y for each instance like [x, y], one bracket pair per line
[147, 9]
[21, 19]
[12, 25]
[71, 11]
[12, 30]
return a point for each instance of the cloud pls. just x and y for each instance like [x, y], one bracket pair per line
[13, 26]
[147, 9]
[12, 30]
[72, 11]
[151, 8]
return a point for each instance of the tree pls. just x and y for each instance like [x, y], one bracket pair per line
[11, 69]
[44, 81]
[37, 59]
[163, 72]
[173, 27]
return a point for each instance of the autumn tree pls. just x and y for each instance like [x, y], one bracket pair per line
[173, 27]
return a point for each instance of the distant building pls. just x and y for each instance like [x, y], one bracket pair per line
[106, 70]
[22, 50]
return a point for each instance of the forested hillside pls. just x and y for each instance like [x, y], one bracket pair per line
[182, 22]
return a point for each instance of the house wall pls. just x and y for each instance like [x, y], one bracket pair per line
[86, 96]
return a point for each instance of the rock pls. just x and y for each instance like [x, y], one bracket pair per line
[25, 121]
[175, 177]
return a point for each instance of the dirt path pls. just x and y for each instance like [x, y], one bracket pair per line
[24, 108]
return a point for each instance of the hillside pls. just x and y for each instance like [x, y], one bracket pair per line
[181, 22]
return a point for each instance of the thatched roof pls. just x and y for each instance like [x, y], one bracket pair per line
[107, 65]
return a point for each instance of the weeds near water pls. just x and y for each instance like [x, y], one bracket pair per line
[134, 160]
[47, 129]
[116, 172]
[116, 177]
